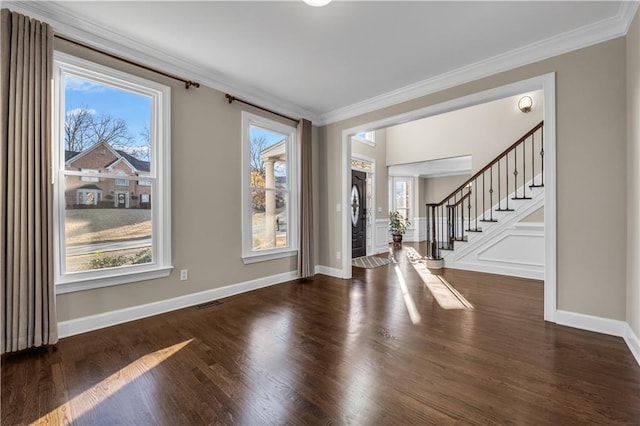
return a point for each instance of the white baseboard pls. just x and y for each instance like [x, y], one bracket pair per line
[632, 341]
[601, 325]
[107, 319]
[591, 323]
[383, 249]
[326, 270]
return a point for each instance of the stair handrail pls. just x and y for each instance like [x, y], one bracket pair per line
[491, 163]
[453, 229]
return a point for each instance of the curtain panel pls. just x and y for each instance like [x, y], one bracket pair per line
[26, 202]
[306, 265]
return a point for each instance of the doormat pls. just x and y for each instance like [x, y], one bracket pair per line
[369, 262]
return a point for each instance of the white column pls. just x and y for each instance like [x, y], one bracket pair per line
[270, 204]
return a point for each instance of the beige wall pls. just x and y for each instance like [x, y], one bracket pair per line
[377, 153]
[206, 186]
[535, 217]
[633, 175]
[591, 136]
[436, 188]
[482, 131]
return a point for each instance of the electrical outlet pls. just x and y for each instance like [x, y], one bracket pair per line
[184, 274]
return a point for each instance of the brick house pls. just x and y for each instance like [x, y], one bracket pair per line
[102, 158]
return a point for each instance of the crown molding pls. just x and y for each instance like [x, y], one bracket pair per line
[585, 36]
[65, 22]
[79, 28]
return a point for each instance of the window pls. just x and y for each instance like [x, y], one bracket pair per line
[104, 118]
[401, 193]
[366, 137]
[269, 166]
[90, 197]
[89, 178]
[143, 182]
[122, 182]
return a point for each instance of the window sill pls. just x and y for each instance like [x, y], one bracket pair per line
[255, 258]
[71, 286]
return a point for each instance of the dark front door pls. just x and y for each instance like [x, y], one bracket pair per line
[358, 214]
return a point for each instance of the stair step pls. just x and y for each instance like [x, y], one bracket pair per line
[536, 186]
[505, 210]
[464, 240]
[521, 198]
[473, 230]
[488, 220]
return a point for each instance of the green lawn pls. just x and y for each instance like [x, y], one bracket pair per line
[84, 226]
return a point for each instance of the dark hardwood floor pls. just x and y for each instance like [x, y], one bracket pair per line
[333, 351]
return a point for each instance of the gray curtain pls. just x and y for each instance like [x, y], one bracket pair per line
[306, 265]
[26, 199]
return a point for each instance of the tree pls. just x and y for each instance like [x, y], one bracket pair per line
[77, 126]
[258, 173]
[111, 130]
[257, 146]
[83, 129]
[143, 151]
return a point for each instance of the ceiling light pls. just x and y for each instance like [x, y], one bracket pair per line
[525, 104]
[317, 3]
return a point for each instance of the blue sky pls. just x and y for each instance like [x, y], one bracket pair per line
[271, 137]
[135, 109]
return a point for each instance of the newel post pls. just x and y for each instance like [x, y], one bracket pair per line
[432, 240]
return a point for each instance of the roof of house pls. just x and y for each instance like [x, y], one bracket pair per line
[68, 155]
[140, 165]
[143, 166]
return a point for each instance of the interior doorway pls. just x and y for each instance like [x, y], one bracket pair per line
[546, 83]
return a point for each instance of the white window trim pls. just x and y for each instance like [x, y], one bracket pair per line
[248, 255]
[160, 173]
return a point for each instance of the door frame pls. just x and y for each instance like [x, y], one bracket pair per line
[362, 213]
[546, 83]
[126, 198]
[371, 174]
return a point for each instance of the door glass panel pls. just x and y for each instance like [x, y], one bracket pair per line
[355, 205]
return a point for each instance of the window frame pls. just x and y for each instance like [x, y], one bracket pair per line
[248, 254]
[160, 176]
[410, 200]
[120, 181]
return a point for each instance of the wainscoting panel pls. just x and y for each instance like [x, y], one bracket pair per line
[517, 250]
[383, 238]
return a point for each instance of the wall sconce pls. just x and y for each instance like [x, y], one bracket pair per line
[525, 104]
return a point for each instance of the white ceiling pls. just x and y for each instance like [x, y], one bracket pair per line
[323, 62]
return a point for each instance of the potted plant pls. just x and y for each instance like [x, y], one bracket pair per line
[397, 225]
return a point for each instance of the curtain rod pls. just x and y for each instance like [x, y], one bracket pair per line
[187, 83]
[233, 98]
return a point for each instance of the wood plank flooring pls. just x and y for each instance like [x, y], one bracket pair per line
[335, 352]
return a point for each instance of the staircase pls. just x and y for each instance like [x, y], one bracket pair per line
[475, 216]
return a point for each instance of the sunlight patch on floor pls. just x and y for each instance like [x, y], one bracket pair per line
[444, 293]
[71, 411]
[408, 300]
